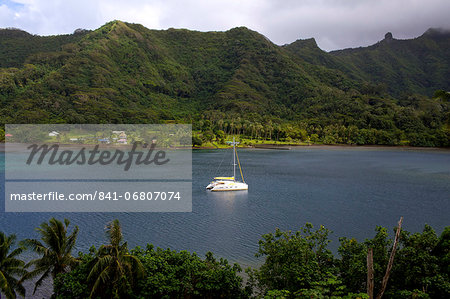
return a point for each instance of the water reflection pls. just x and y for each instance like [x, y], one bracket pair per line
[228, 200]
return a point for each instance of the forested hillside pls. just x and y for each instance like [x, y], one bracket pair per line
[233, 82]
[399, 67]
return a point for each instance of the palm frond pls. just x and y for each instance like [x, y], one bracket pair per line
[5, 287]
[10, 267]
[14, 283]
[102, 278]
[101, 263]
[20, 289]
[70, 242]
[55, 247]
[33, 245]
[33, 273]
[15, 252]
[136, 264]
[114, 232]
[40, 280]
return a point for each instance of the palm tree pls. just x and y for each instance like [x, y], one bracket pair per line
[114, 269]
[55, 248]
[10, 267]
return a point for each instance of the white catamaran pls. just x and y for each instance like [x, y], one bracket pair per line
[229, 183]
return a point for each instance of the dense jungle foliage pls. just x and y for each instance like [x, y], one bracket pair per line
[295, 264]
[238, 82]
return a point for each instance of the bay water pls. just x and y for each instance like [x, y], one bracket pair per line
[349, 190]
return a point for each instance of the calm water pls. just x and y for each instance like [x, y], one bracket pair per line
[349, 190]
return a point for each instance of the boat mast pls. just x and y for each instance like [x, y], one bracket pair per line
[234, 159]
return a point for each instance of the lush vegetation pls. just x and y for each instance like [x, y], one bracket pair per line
[236, 81]
[54, 250]
[296, 265]
[11, 268]
[114, 271]
[415, 66]
[17, 46]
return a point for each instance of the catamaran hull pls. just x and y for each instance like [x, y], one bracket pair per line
[222, 190]
[231, 187]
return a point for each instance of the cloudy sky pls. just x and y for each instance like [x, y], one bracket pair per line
[335, 24]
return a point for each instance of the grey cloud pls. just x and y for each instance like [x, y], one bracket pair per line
[335, 24]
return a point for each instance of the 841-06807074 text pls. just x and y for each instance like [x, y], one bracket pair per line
[155, 195]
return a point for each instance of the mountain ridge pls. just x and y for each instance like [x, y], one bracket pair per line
[408, 63]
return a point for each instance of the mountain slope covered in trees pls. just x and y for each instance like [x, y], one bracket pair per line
[235, 81]
[400, 67]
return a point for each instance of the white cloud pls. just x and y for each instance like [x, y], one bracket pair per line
[146, 13]
[6, 14]
[334, 23]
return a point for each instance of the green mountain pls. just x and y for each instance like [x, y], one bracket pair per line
[400, 67]
[17, 45]
[236, 81]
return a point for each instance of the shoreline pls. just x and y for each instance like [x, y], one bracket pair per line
[273, 147]
[374, 146]
[328, 146]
